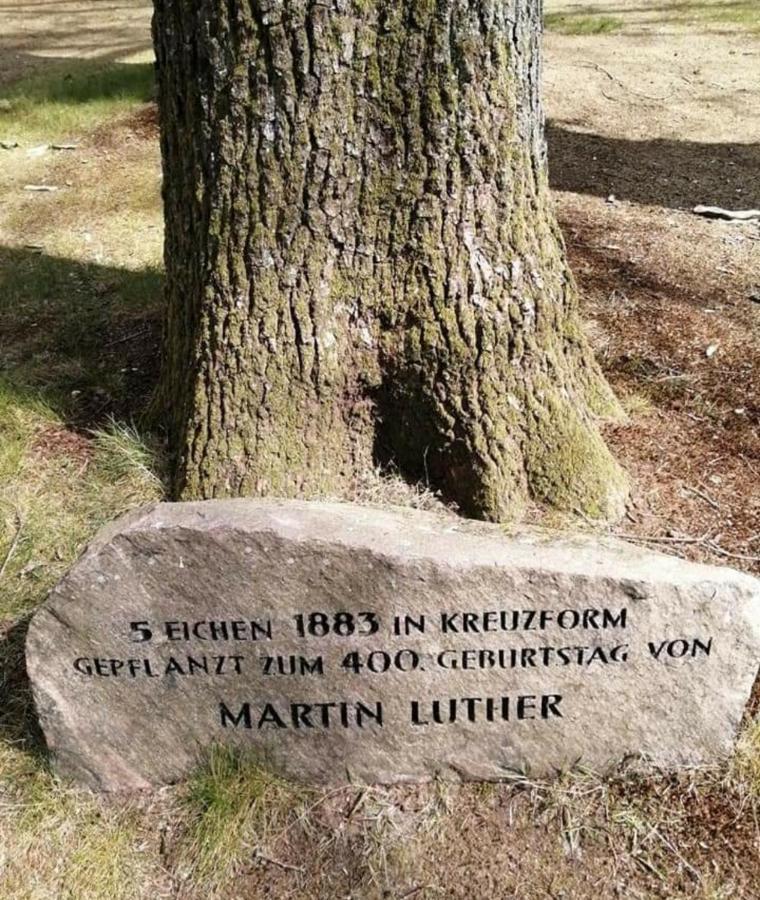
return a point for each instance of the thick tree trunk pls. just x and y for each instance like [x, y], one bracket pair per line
[361, 258]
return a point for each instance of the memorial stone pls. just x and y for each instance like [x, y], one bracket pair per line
[344, 643]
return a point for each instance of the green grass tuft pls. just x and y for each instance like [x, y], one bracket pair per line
[233, 806]
[124, 458]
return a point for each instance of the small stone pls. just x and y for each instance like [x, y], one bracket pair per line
[346, 644]
[711, 350]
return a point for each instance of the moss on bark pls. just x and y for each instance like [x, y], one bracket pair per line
[362, 258]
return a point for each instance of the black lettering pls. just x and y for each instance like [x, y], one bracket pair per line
[526, 705]
[202, 664]
[545, 616]
[173, 667]
[589, 618]
[259, 631]
[470, 622]
[362, 710]
[448, 622]
[568, 618]
[550, 705]
[416, 720]
[609, 620]
[83, 665]
[270, 716]
[175, 631]
[242, 718]
[300, 714]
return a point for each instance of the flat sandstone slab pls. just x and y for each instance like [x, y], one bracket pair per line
[347, 643]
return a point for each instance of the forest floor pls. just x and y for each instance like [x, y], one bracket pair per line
[652, 109]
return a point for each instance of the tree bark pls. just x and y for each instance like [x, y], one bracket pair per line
[362, 261]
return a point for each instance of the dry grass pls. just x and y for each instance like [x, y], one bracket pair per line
[56, 843]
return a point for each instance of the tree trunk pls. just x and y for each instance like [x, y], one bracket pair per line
[362, 261]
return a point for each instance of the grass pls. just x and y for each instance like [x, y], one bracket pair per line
[582, 23]
[604, 18]
[745, 765]
[745, 13]
[57, 843]
[57, 488]
[73, 380]
[69, 98]
[233, 807]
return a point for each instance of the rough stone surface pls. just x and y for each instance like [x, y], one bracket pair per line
[602, 649]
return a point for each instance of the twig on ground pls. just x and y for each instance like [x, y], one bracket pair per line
[717, 212]
[587, 64]
[14, 543]
[357, 802]
[127, 337]
[412, 891]
[276, 862]
[687, 539]
[578, 511]
[716, 548]
[702, 496]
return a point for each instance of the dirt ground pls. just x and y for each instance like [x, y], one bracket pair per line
[645, 120]
[643, 125]
[35, 32]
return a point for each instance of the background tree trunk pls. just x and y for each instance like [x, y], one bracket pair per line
[362, 262]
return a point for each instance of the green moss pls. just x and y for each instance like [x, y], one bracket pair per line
[568, 463]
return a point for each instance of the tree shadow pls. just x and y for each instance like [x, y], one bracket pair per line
[19, 726]
[675, 174]
[82, 337]
[71, 81]
[61, 31]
